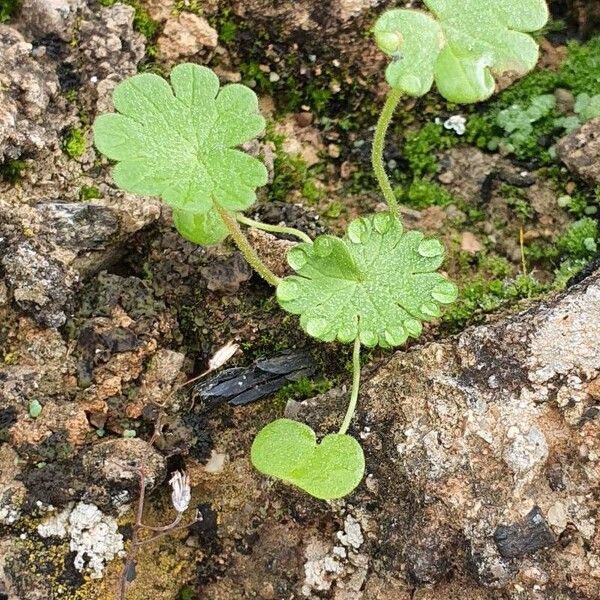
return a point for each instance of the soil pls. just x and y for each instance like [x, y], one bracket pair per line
[481, 439]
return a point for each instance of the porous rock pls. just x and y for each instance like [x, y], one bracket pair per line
[184, 36]
[580, 151]
[45, 18]
[32, 113]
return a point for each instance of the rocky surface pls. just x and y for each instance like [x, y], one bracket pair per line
[580, 151]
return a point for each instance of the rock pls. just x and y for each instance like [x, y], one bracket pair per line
[585, 12]
[109, 51]
[226, 273]
[272, 250]
[39, 284]
[469, 243]
[428, 553]
[565, 101]
[304, 119]
[526, 537]
[580, 151]
[353, 8]
[110, 465]
[185, 36]
[63, 244]
[32, 114]
[44, 18]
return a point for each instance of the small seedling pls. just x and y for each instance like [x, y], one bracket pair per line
[377, 284]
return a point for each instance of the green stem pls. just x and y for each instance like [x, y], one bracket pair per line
[245, 248]
[383, 123]
[355, 386]
[273, 228]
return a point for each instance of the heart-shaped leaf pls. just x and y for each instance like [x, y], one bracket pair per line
[289, 450]
[176, 141]
[204, 229]
[378, 283]
[467, 43]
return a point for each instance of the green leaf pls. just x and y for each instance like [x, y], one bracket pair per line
[587, 107]
[414, 40]
[176, 141]
[204, 229]
[289, 451]
[463, 48]
[378, 283]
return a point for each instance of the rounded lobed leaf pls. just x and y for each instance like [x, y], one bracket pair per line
[288, 450]
[413, 39]
[177, 141]
[474, 40]
[204, 229]
[378, 283]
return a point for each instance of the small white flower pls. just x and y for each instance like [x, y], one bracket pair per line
[222, 355]
[182, 492]
[457, 123]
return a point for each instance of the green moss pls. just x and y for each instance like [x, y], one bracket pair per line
[516, 199]
[420, 148]
[581, 69]
[12, 170]
[567, 270]
[303, 388]
[481, 295]
[8, 9]
[536, 83]
[422, 193]
[580, 239]
[89, 192]
[71, 95]
[193, 6]
[255, 77]
[226, 27]
[74, 143]
[291, 174]
[498, 125]
[313, 192]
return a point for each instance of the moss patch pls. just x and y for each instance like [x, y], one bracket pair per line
[74, 143]
[8, 9]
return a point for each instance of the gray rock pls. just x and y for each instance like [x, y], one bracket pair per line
[40, 284]
[109, 51]
[32, 113]
[43, 18]
[580, 151]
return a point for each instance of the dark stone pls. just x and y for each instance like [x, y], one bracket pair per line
[589, 415]
[526, 537]
[518, 179]
[241, 385]
[8, 416]
[427, 557]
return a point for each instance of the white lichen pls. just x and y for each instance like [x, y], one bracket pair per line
[56, 525]
[94, 538]
[352, 534]
[456, 123]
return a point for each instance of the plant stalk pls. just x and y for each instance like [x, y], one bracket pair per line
[245, 248]
[383, 123]
[273, 228]
[355, 385]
